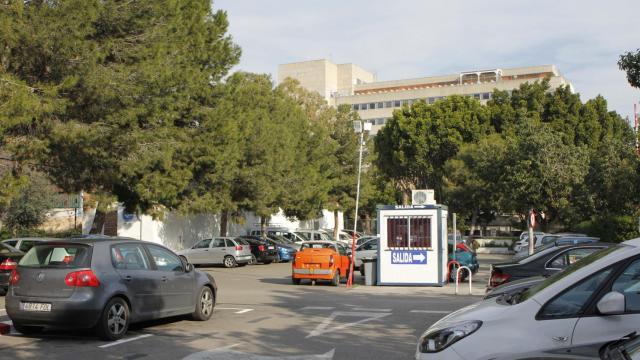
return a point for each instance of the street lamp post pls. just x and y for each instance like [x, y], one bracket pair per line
[360, 127]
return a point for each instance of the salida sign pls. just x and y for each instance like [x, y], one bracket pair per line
[409, 257]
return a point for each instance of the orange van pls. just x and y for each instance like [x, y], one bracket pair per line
[320, 260]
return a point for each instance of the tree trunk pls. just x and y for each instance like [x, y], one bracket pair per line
[367, 224]
[406, 197]
[224, 223]
[263, 226]
[474, 219]
[335, 224]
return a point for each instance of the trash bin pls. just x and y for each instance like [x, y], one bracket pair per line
[370, 271]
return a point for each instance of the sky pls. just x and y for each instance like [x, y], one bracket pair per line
[404, 39]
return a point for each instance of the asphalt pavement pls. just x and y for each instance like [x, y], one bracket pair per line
[261, 315]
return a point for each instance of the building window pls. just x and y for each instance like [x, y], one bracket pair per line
[356, 107]
[476, 96]
[388, 104]
[381, 121]
[397, 103]
[412, 231]
[372, 106]
[486, 96]
[397, 233]
[405, 102]
[420, 232]
[380, 105]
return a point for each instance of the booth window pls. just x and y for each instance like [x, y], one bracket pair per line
[397, 233]
[409, 232]
[420, 232]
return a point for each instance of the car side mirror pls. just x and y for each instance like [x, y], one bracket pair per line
[189, 267]
[612, 303]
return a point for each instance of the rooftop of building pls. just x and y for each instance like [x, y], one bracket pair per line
[462, 78]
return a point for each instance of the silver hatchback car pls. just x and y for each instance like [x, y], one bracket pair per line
[230, 252]
[571, 314]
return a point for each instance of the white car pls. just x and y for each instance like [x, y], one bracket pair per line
[523, 243]
[572, 314]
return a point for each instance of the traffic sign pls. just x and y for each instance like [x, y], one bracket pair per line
[532, 219]
[409, 257]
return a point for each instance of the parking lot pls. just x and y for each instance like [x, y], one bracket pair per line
[261, 315]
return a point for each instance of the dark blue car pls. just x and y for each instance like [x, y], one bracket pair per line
[286, 249]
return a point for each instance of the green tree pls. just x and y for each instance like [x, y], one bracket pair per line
[28, 209]
[118, 92]
[415, 144]
[630, 63]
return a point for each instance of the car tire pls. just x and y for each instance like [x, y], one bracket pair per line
[267, 262]
[114, 321]
[229, 261]
[336, 279]
[253, 260]
[27, 330]
[204, 305]
[295, 281]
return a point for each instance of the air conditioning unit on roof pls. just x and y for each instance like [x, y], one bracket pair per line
[423, 197]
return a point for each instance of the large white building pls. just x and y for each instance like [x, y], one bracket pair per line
[375, 100]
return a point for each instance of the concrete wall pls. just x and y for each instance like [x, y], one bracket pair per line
[179, 232]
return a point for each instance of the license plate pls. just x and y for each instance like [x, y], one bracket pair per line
[271, 248]
[41, 307]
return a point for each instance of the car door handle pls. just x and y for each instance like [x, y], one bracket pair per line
[128, 278]
[164, 279]
[560, 338]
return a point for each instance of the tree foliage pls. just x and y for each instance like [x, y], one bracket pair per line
[630, 63]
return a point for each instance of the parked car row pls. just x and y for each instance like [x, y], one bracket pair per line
[102, 283]
[568, 300]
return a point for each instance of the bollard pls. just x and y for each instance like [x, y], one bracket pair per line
[458, 279]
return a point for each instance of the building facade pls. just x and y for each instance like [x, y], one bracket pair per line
[375, 100]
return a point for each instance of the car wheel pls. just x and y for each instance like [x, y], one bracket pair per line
[278, 258]
[336, 278]
[295, 281]
[205, 305]
[253, 260]
[27, 330]
[229, 261]
[114, 321]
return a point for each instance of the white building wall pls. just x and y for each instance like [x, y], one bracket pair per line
[180, 232]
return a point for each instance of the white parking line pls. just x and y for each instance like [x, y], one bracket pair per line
[122, 341]
[239, 310]
[318, 308]
[431, 311]
[367, 309]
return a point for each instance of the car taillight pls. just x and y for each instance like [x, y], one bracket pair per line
[498, 278]
[82, 278]
[239, 247]
[330, 260]
[261, 247]
[14, 277]
[8, 264]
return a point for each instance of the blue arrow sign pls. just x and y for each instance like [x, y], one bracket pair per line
[409, 257]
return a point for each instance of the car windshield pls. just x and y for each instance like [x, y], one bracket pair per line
[241, 241]
[57, 256]
[542, 251]
[317, 246]
[568, 271]
[7, 249]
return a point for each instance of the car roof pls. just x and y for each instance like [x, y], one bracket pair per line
[94, 240]
[633, 242]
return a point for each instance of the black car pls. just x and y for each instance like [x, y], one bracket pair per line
[104, 284]
[545, 262]
[9, 257]
[261, 249]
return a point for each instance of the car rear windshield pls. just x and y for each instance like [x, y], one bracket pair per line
[241, 241]
[316, 246]
[67, 256]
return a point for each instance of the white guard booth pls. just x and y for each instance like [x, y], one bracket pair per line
[413, 245]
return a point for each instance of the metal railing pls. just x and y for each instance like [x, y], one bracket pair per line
[470, 279]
